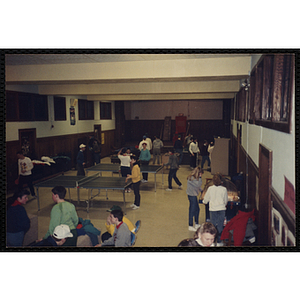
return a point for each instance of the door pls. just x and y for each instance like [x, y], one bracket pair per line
[264, 195]
[27, 141]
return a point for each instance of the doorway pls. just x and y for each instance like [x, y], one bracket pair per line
[264, 196]
[27, 142]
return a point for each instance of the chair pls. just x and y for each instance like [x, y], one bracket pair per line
[137, 226]
[133, 239]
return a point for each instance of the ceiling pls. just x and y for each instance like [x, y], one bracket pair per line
[130, 76]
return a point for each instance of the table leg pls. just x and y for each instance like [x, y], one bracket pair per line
[38, 198]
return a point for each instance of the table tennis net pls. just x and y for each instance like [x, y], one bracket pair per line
[86, 179]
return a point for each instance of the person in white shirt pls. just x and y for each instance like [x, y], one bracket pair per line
[25, 175]
[217, 197]
[125, 157]
[144, 141]
[194, 150]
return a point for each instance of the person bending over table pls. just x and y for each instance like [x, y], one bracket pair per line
[122, 235]
[63, 212]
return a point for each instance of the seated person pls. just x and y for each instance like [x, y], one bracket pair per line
[63, 212]
[188, 243]
[206, 234]
[60, 234]
[122, 235]
[111, 227]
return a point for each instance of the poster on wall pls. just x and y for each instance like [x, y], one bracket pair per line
[72, 115]
[289, 195]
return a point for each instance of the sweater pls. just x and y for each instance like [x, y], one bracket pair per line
[173, 162]
[62, 213]
[80, 157]
[135, 173]
[157, 144]
[125, 160]
[25, 165]
[194, 186]
[121, 237]
[111, 228]
[217, 197]
[145, 155]
[17, 219]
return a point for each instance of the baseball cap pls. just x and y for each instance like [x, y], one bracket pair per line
[115, 207]
[82, 146]
[62, 231]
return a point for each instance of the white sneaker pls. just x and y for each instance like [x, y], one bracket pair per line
[180, 187]
[169, 190]
[135, 207]
[191, 228]
[197, 226]
[132, 205]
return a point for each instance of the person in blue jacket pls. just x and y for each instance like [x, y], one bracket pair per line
[18, 222]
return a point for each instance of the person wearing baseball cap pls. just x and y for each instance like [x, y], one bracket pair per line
[80, 161]
[58, 238]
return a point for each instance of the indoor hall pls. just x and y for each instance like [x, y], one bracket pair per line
[56, 102]
[163, 214]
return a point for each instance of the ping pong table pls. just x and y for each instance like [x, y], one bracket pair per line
[85, 182]
[115, 168]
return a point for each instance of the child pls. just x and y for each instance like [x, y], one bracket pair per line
[194, 183]
[206, 235]
[136, 181]
[217, 197]
[63, 213]
[173, 163]
[124, 157]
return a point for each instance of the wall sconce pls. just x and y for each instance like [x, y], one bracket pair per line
[246, 85]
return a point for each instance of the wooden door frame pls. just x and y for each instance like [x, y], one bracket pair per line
[265, 207]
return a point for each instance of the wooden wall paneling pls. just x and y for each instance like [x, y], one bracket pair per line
[265, 183]
[277, 91]
[258, 91]
[267, 86]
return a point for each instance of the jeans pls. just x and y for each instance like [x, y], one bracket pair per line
[205, 158]
[156, 154]
[217, 219]
[15, 239]
[193, 210]
[26, 179]
[172, 174]
[136, 190]
[193, 160]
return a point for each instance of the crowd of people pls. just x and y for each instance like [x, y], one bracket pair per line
[64, 222]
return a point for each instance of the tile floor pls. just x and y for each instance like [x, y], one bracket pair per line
[163, 214]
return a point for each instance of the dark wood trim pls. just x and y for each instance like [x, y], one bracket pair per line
[282, 208]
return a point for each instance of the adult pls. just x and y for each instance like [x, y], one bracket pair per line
[25, 167]
[125, 157]
[206, 235]
[194, 184]
[136, 181]
[18, 222]
[178, 146]
[173, 163]
[63, 212]
[210, 149]
[59, 237]
[187, 140]
[80, 161]
[157, 145]
[122, 235]
[110, 227]
[193, 150]
[205, 154]
[217, 197]
[145, 157]
[144, 140]
[149, 141]
[96, 152]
